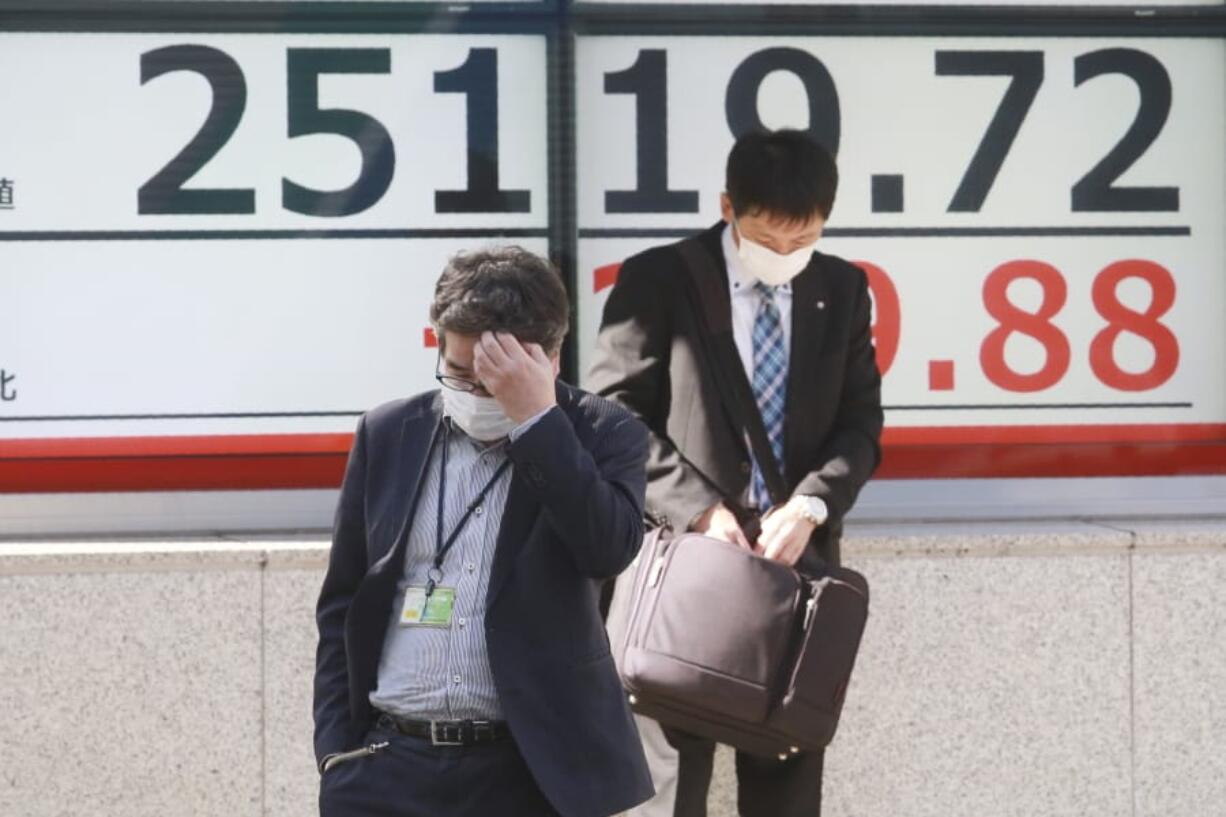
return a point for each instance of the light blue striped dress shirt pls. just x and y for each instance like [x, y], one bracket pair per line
[432, 673]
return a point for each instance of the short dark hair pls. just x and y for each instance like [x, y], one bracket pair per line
[502, 289]
[784, 173]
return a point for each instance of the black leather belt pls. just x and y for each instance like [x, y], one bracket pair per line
[446, 733]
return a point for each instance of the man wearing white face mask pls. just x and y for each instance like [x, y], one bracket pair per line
[749, 355]
[462, 666]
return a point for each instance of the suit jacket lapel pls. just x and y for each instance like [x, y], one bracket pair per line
[810, 299]
[709, 286]
[368, 612]
[419, 434]
[518, 517]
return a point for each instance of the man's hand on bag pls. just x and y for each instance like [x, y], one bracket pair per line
[785, 533]
[720, 523]
[519, 376]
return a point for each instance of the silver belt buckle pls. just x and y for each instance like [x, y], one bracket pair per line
[435, 740]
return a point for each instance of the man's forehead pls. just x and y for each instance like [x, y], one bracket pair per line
[776, 223]
[456, 350]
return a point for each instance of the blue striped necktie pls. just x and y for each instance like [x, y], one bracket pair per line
[770, 384]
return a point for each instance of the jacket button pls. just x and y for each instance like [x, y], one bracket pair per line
[746, 467]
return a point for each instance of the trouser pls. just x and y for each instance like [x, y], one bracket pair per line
[681, 766]
[412, 778]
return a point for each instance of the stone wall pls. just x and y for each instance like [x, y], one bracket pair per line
[1072, 668]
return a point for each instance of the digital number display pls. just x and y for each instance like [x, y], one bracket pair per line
[209, 235]
[1040, 219]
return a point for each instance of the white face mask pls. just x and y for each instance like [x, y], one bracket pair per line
[481, 418]
[768, 266]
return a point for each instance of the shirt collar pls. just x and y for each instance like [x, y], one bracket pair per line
[740, 282]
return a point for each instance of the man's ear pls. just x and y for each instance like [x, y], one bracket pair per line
[556, 360]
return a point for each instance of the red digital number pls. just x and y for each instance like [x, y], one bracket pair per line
[1037, 325]
[887, 320]
[1142, 324]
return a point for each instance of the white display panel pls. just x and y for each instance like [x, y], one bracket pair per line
[219, 337]
[1090, 169]
[176, 263]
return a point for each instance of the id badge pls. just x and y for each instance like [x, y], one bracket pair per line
[419, 611]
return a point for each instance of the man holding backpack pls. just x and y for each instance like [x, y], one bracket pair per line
[745, 339]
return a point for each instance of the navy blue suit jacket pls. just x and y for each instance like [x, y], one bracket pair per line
[573, 517]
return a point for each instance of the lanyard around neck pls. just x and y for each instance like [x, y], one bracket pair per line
[441, 547]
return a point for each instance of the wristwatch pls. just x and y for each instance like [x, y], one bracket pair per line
[814, 509]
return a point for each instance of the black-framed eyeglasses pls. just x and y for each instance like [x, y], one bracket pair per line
[451, 381]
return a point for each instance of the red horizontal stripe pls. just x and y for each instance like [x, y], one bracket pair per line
[250, 472]
[973, 435]
[221, 445]
[962, 461]
[248, 462]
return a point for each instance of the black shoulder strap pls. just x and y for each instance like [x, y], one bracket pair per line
[738, 398]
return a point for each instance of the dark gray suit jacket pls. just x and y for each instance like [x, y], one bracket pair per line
[666, 352]
[573, 517]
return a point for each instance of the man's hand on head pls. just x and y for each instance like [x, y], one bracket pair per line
[519, 376]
